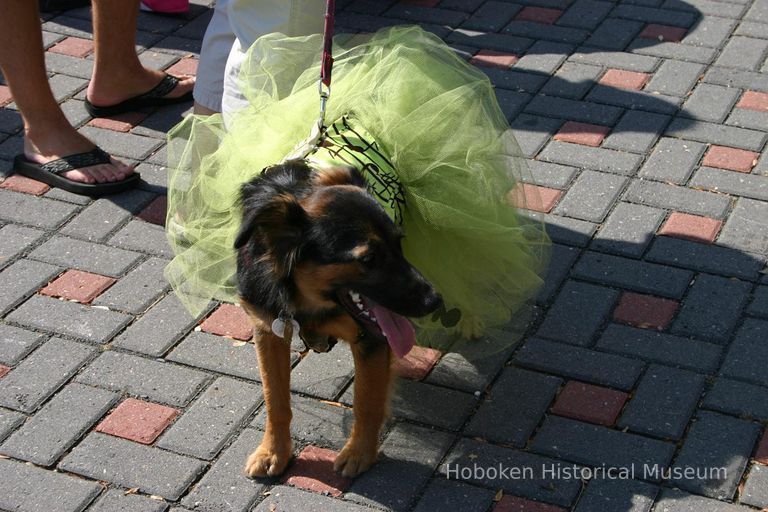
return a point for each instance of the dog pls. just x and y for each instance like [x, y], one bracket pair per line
[317, 251]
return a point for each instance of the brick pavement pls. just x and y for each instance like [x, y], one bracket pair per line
[646, 123]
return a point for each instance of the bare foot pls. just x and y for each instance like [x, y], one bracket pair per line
[111, 90]
[44, 146]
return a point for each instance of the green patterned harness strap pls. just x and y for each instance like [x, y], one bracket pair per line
[347, 144]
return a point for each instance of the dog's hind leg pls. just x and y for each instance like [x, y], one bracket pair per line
[276, 448]
[373, 380]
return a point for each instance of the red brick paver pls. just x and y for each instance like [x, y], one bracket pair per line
[732, 159]
[185, 66]
[491, 58]
[313, 471]
[624, 79]
[517, 504]
[761, 453]
[754, 100]
[138, 421]
[155, 212]
[231, 321]
[3, 370]
[79, 286]
[587, 402]
[534, 197]
[5, 95]
[663, 33]
[645, 311]
[417, 364]
[539, 15]
[582, 133]
[74, 47]
[120, 123]
[22, 184]
[691, 227]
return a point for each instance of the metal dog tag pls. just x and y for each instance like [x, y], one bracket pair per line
[278, 329]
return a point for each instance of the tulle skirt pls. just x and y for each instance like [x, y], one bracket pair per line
[437, 120]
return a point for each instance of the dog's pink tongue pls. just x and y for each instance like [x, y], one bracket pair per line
[396, 328]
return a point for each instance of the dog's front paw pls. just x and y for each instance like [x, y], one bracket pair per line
[355, 458]
[268, 460]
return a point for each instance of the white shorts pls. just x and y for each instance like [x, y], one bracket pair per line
[235, 25]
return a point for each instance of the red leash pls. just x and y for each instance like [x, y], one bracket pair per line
[327, 65]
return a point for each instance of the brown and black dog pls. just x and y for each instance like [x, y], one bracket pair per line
[316, 247]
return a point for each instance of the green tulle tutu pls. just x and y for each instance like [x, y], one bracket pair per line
[437, 121]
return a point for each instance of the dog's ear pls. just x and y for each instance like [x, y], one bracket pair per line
[282, 223]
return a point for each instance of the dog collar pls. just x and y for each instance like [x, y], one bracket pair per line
[345, 143]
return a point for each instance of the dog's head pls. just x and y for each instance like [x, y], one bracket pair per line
[329, 245]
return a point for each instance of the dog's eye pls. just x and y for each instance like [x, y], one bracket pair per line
[368, 259]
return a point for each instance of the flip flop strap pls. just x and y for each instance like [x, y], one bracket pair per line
[96, 156]
[166, 85]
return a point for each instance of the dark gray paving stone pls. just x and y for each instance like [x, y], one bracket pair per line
[578, 313]
[568, 231]
[42, 373]
[742, 232]
[491, 41]
[747, 185]
[210, 420]
[289, 498]
[625, 495]
[324, 375]
[410, 455]
[675, 77]
[654, 15]
[142, 236]
[673, 500]
[719, 134]
[442, 494]
[426, 14]
[572, 80]
[715, 441]
[470, 371]
[614, 34]
[742, 79]
[14, 240]
[159, 328]
[9, 420]
[730, 10]
[670, 50]
[550, 175]
[511, 102]
[82, 255]
[160, 382]
[102, 217]
[579, 363]
[628, 230]
[491, 16]
[59, 424]
[738, 398]
[634, 100]
[122, 144]
[26, 488]
[744, 53]
[668, 196]
[152, 470]
[747, 353]
[619, 60]
[432, 405]
[116, 500]
[573, 110]
[663, 402]
[513, 407]
[592, 195]
[706, 258]
[532, 132]
[539, 31]
[710, 103]
[16, 343]
[63, 195]
[750, 119]
[218, 354]
[225, 486]
[316, 422]
[632, 274]
[535, 477]
[594, 445]
[34, 211]
[756, 488]
[560, 262]
[711, 308]
[758, 306]
[661, 348]
[751, 29]
[138, 290]
[636, 132]
[69, 318]
[514, 80]
[587, 14]
[544, 57]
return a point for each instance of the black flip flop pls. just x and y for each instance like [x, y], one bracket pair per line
[155, 97]
[49, 173]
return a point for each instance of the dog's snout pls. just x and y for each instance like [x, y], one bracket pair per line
[432, 300]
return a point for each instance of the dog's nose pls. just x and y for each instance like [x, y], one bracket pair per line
[432, 301]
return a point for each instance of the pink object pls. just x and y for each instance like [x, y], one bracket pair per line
[165, 6]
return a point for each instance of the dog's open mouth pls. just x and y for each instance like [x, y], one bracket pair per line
[384, 324]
